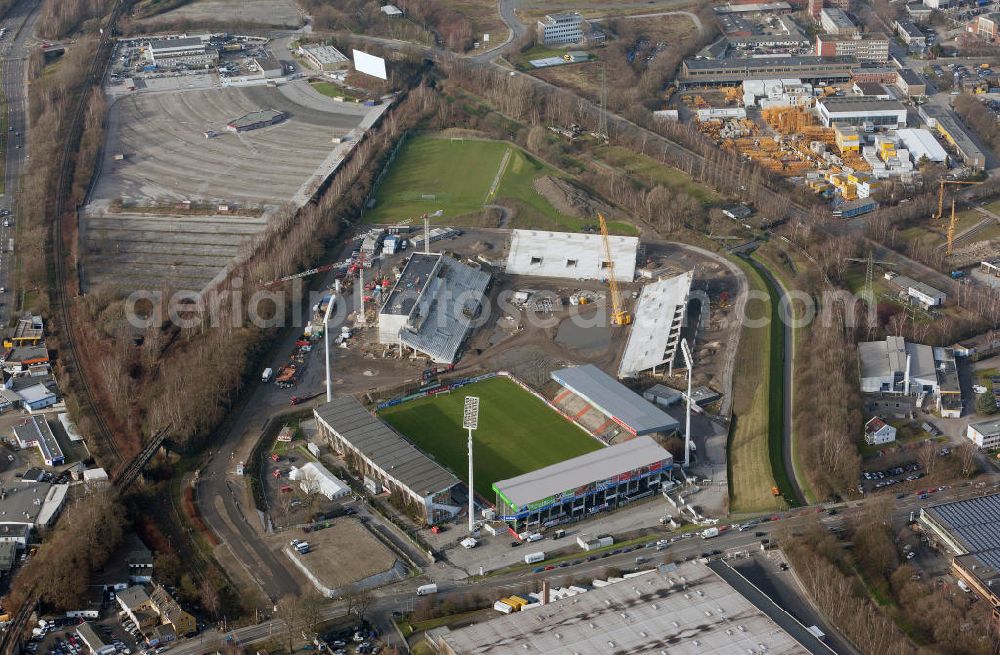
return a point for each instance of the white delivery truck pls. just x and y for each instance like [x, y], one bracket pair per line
[427, 589]
[266, 376]
[534, 558]
[534, 536]
[709, 533]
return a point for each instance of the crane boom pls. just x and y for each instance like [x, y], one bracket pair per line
[942, 183]
[619, 315]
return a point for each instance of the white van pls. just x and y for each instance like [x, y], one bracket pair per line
[266, 376]
[427, 589]
[964, 587]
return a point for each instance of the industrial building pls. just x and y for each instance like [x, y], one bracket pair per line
[561, 28]
[381, 453]
[870, 48]
[85, 631]
[314, 478]
[656, 329]
[584, 485]
[986, 26]
[569, 255]
[616, 401]
[256, 120]
[36, 433]
[909, 82]
[985, 434]
[432, 305]
[324, 57]
[921, 143]
[895, 367]
[193, 51]
[910, 33]
[948, 126]
[37, 397]
[269, 66]
[730, 72]
[836, 21]
[858, 110]
[682, 609]
[23, 504]
[917, 292]
[969, 531]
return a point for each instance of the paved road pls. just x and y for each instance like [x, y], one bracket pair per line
[19, 23]
[402, 594]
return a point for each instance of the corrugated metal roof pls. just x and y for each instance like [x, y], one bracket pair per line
[614, 399]
[578, 471]
[652, 341]
[385, 448]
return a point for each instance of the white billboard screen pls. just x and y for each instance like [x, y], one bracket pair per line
[369, 64]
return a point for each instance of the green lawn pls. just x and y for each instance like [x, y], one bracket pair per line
[517, 432]
[333, 91]
[455, 176]
[431, 174]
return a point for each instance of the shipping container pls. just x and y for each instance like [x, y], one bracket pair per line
[532, 558]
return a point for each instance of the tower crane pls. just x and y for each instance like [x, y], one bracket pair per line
[942, 183]
[619, 315]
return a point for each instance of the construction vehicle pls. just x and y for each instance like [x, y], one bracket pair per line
[298, 400]
[942, 183]
[286, 376]
[619, 315]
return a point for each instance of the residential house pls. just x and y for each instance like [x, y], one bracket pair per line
[139, 607]
[171, 612]
[878, 432]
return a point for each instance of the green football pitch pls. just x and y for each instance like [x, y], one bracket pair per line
[431, 174]
[517, 433]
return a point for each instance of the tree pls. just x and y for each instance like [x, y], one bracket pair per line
[358, 600]
[967, 452]
[289, 612]
[312, 605]
[986, 403]
[927, 456]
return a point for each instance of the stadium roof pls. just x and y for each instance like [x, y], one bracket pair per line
[621, 404]
[579, 471]
[396, 457]
[653, 340]
[974, 524]
[440, 298]
[740, 63]
[684, 610]
[570, 255]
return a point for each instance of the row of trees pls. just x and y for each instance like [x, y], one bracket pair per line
[982, 121]
[60, 18]
[88, 531]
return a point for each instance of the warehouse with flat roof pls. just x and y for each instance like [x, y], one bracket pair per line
[681, 609]
[656, 330]
[570, 255]
[723, 72]
[35, 432]
[616, 401]
[381, 453]
[324, 57]
[969, 531]
[432, 306]
[584, 485]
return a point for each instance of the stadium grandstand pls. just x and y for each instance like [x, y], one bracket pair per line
[379, 452]
[432, 305]
[581, 486]
[605, 407]
[656, 331]
[570, 255]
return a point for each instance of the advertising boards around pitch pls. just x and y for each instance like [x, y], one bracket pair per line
[369, 64]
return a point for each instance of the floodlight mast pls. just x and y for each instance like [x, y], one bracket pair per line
[326, 343]
[470, 421]
[688, 361]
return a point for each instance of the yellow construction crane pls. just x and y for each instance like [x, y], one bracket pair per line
[940, 211]
[619, 315]
[951, 228]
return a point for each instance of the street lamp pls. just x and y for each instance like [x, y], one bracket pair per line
[688, 361]
[326, 342]
[470, 421]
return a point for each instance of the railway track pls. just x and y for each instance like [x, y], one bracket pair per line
[60, 296]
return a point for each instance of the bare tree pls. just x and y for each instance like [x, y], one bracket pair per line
[289, 611]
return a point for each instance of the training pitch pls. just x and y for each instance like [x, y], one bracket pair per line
[517, 432]
[453, 175]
